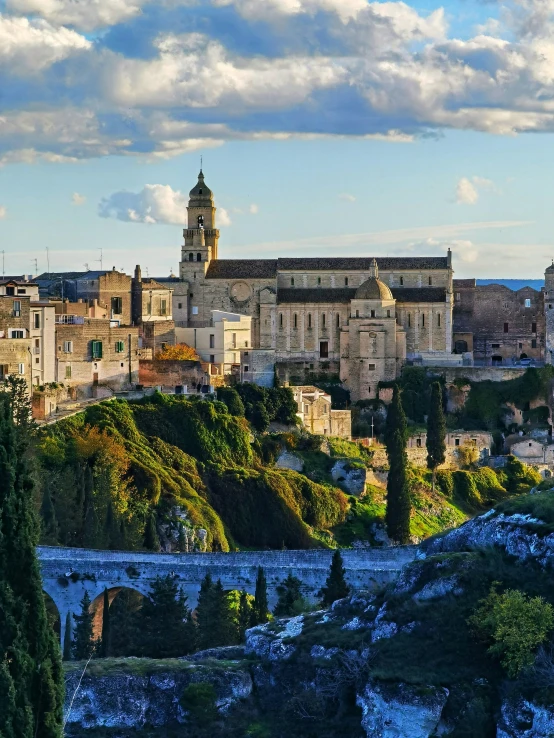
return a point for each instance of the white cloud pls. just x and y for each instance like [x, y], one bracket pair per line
[463, 250]
[254, 209]
[85, 14]
[155, 203]
[32, 45]
[224, 217]
[467, 190]
[3, 212]
[347, 197]
[78, 199]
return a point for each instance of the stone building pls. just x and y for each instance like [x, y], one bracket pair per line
[220, 342]
[316, 415]
[300, 308]
[151, 310]
[499, 325]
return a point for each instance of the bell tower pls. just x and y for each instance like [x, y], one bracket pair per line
[201, 236]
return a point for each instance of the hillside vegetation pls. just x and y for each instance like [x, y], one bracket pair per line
[155, 473]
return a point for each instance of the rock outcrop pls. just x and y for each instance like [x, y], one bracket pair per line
[351, 477]
[521, 718]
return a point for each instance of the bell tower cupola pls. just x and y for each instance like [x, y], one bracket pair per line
[201, 236]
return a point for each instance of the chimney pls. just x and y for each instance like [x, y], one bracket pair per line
[138, 273]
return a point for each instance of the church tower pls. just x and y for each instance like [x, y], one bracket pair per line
[201, 236]
[549, 313]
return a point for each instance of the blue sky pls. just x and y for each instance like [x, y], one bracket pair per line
[326, 127]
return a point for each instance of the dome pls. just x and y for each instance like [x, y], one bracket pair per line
[373, 289]
[201, 191]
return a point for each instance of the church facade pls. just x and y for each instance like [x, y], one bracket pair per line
[358, 317]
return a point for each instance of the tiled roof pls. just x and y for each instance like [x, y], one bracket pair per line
[242, 269]
[291, 295]
[385, 263]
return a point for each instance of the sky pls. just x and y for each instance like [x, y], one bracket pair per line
[326, 127]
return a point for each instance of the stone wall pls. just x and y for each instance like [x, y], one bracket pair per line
[478, 373]
[172, 373]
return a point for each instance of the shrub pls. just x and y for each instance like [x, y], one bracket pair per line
[515, 625]
[200, 701]
[468, 455]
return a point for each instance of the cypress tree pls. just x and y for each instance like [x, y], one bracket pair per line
[31, 677]
[67, 638]
[335, 587]
[396, 421]
[167, 625]
[398, 494]
[49, 536]
[213, 615]
[111, 528]
[182, 543]
[260, 610]
[244, 615]
[126, 629]
[151, 540]
[436, 432]
[205, 611]
[83, 643]
[290, 595]
[90, 521]
[105, 643]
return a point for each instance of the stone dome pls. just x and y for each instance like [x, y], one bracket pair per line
[201, 191]
[373, 289]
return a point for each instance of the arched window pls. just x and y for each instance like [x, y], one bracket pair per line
[198, 257]
[201, 221]
[338, 320]
[295, 320]
[280, 320]
[439, 320]
[191, 257]
[292, 281]
[346, 281]
[373, 313]
[323, 321]
[309, 320]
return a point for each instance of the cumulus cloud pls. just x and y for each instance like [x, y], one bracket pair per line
[223, 217]
[254, 209]
[84, 14]
[467, 190]
[32, 45]
[347, 197]
[155, 203]
[3, 212]
[78, 199]
[463, 250]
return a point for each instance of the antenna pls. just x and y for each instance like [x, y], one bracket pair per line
[201, 161]
[86, 267]
[100, 259]
[35, 262]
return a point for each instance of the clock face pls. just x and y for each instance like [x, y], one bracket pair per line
[240, 291]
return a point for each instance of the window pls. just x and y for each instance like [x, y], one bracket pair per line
[246, 354]
[319, 280]
[17, 333]
[495, 345]
[37, 343]
[120, 347]
[191, 257]
[325, 410]
[295, 320]
[439, 320]
[418, 442]
[149, 307]
[194, 310]
[37, 360]
[180, 305]
[357, 313]
[212, 359]
[506, 327]
[527, 302]
[456, 441]
[430, 281]
[21, 292]
[323, 321]
[246, 344]
[533, 327]
[96, 349]
[10, 290]
[306, 408]
[201, 221]
[37, 320]
[338, 320]
[280, 320]
[401, 281]
[423, 321]
[68, 371]
[533, 343]
[371, 367]
[292, 281]
[373, 313]
[409, 320]
[246, 368]
[21, 368]
[163, 307]
[16, 308]
[198, 257]
[324, 350]
[458, 297]
[309, 321]
[388, 313]
[68, 347]
[234, 340]
[346, 281]
[117, 305]
[212, 340]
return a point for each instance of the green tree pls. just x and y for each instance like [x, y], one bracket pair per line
[67, 638]
[436, 432]
[289, 595]
[49, 523]
[260, 610]
[260, 418]
[112, 532]
[31, 677]
[232, 399]
[169, 630]
[83, 642]
[105, 643]
[244, 615]
[90, 522]
[126, 630]
[396, 421]
[213, 615]
[515, 625]
[151, 540]
[335, 587]
[398, 510]
[182, 543]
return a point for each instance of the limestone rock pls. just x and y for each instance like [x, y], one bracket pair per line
[438, 588]
[288, 460]
[266, 641]
[523, 719]
[352, 478]
[400, 710]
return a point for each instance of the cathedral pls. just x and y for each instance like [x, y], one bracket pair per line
[357, 317]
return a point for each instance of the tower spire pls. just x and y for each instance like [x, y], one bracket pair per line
[374, 269]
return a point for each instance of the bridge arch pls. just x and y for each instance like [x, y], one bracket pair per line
[97, 605]
[53, 614]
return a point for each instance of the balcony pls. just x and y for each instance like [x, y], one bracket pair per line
[69, 320]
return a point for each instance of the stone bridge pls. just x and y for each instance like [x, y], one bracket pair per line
[68, 572]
